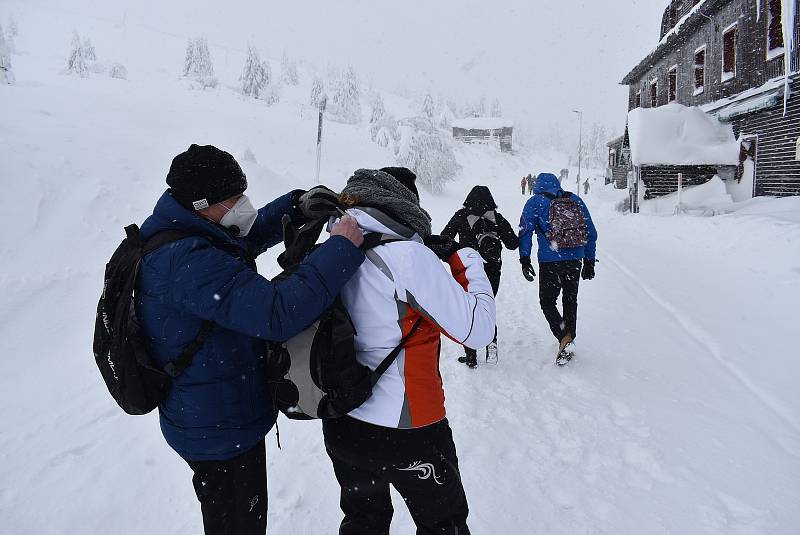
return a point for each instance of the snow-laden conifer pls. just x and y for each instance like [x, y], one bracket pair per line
[197, 65]
[288, 70]
[378, 109]
[495, 110]
[428, 107]
[428, 153]
[254, 76]
[6, 74]
[317, 90]
[76, 62]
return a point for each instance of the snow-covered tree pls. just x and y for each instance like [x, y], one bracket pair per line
[197, 65]
[345, 96]
[11, 33]
[271, 94]
[6, 75]
[317, 90]
[428, 107]
[254, 76]
[596, 151]
[288, 70]
[118, 70]
[428, 153]
[495, 110]
[76, 63]
[445, 118]
[378, 109]
[89, 53]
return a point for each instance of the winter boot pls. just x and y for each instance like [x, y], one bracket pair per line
[491, 352]
[566, 350]
[470, 358]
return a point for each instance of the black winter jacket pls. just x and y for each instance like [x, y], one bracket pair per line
[477, 224]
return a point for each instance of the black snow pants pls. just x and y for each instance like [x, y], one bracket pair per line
[420, 463]
[555, 278]
[233, 493]
[493, 269]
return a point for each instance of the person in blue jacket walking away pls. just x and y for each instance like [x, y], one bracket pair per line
[218, 410]
[566, 239]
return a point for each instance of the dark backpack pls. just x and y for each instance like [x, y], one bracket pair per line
[566, 220]
[134, 379]
[315, 374]
[487, 240]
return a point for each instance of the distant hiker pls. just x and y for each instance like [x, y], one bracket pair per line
[400, 436]
[531, 183]
[523, 183]
[586, 187]
[563, 175]
[479, 225]
[218, 410]
[566, 239]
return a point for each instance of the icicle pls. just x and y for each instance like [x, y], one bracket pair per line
[788, 14]
[758, 10]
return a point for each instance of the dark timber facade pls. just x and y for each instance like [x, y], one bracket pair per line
[722, 56]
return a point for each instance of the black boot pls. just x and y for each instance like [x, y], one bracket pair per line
[470, 358]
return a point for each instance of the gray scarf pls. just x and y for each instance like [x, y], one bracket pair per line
[375, 189]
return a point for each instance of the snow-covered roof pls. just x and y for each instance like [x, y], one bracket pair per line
[677, 135]
[483, 123]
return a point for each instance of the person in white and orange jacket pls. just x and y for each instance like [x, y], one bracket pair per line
[400, 436]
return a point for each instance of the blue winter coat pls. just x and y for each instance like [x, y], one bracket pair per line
[535, 218]
[219, 407]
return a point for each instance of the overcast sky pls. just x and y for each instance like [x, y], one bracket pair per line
[541, 58]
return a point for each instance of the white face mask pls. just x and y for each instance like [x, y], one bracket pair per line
[242, 216]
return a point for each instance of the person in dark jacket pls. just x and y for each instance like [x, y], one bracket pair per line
[531, 183]
[218, 410]
[480, 226]
[560, 270]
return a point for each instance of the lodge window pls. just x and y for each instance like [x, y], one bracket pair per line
[654, 94]
[699, 70]
[673, 83]
[637, 100]
[774, 29]
[729, 53]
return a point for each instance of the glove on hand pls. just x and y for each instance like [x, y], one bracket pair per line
[442, 246]
[587, 273]
[527, 268]
[318, 202]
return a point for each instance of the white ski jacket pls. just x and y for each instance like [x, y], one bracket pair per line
[397, 284]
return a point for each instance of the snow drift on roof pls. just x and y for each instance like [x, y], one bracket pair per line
[677, 135]
[483, 123]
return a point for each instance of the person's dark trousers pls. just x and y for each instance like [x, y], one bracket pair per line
[555, 278]
[492, 269]
[233, 493]
[420, 463]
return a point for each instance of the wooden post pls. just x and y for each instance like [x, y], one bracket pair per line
[679, 206]
[322, 103]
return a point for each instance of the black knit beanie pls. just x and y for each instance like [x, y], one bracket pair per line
[405, 176]
[204, 175]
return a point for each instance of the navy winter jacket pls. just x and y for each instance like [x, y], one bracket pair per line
[219, 407]
[535, 218]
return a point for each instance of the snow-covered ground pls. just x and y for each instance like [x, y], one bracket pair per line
[680, 414]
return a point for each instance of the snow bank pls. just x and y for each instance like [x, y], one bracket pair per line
[678, 135]
[483, 123]
[707, 199]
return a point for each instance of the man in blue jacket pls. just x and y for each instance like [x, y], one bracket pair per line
[560, 268]
[218, 410]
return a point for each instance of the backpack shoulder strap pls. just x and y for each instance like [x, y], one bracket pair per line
[390, 358]
[374, 239]
[160, 239]
[177, 366]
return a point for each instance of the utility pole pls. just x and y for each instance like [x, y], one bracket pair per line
[580, 149]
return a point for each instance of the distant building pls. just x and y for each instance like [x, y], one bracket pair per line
[728, 57]
[485, 130]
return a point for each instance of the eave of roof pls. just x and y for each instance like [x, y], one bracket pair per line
[701, 11]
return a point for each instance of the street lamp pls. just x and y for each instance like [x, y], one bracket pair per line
[580, 148]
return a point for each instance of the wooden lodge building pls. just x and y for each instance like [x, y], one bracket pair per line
[485, 130]
[728, 58]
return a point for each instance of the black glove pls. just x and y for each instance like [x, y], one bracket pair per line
[442, 246]
[527, 268]
[588, 269]
[318, 202]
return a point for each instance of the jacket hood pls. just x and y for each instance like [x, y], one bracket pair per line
[170, 215]
[480, 200]
[547, 182]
